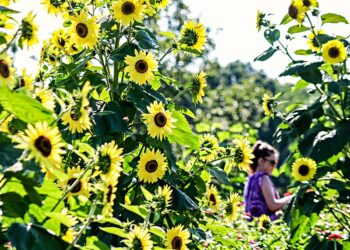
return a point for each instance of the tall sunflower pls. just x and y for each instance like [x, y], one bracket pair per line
[177, 238]
[139, 239]
[44, 145]
[208, 148]
[109, 190]
[7, 72]
[304, 169]
[45, 97]
[264, 222]
[214, 199]
[151, 166]
[84, 30]
[55, 6]
[297, 11]
[109, 160]
[193, 36]
[242, 154]
[198, 84]
[159, 121]
[232, 207]
[141, 67]
[26, 81]
[312, 41]
[334, 52]
[60, 39]
[29, 31]
[82, 187]
[268, 105]
[128, 11]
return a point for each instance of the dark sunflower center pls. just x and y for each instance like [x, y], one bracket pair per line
[304, 170]
[22, 82]
[27, 30]
[4, 69]
[176, 243]
[52, 58]
[55, 3]
[82, 30]
[190, 37]
[239, 156]
[128, 8]
[269, 105]
[152, 166]
[109, 193]
[77, 188]
[104, 162]
[266, 224]
[293, 11]
[136, 244]
[160, 119]
[307, 3]
[212, 198]
[333, 52]
[229, 209]
[75, 114]
[141, 66]
[61, 41]
[43, 144]
[196, 85]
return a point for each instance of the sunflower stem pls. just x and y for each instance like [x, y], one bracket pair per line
[329, 102]
[180, 93]
[286, 51]
[166, 53]
[13, 38]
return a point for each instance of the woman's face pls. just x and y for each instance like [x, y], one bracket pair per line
[269, 163]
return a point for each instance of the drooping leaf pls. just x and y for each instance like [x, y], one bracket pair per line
[266, 54]
[146, 39]
[333, 18]
[182, 201]
[219, 174]
[139, 210]
[297, 29]
[120, 53]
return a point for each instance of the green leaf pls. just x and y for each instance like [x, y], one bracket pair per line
[62, 218]
[219, 174]
[148, 196]
[301, 84]
[182, 201]
[333, 18]
[139, 210]
[272, 35]
[93, 243]
[182, 133]
[303, 52]
[116, 231]
[170, 156]
[157, 231]
[297, 29]
[286, 19]
[13, 205]
[5, 10]
[120, 53]
[339, 87]
[266, 54]
[34, 237]
[24, 107]
[146, 39]
[314, 76]
[301, 67]
[8, 153]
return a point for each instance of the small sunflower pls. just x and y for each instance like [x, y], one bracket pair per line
[232, 207]
[177, 238]
[29, 31]
[334, 52]
[313, 43]
[259, 18]
[264, 222]
[304, 169]
[198, 84]
[151, 166]
[308, 4]
[162, 4]
[109, 160]
[26, 81]
[139, 239]
[214, 199]
[60, 39]
[128, 11]
[159, 121]
[78, 119]
[163, 195]
[53, 56]
[268, 105]
[6, 22]
[5, 124]
[73, 48]
[55, 6]
[109, 196]
[208, 148]
[7, 72]
[141, 67]
[44, 145]
[81, 188]
[242, 154]
[84, 30]
[193, 36]
[6, 2]
[297, 11]
[45, 97]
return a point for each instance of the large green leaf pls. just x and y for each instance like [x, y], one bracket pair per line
[8, 153]
[304, 69]
[146, 39]
[120, 53]
[266, 54]
[333, 18]
[272, 35]
[139, 210]
[297, 29]
[5, 10]
[13, 205]
[219, 174]
[338, 87]
[182, 201]
[24, 107]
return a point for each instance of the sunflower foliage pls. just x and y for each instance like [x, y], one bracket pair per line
[87, 145]
[317, 132]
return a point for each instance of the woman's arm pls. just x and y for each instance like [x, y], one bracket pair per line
[273, 204]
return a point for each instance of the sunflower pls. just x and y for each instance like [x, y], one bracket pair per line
[268, 105]
[59, 39]
[198, 85]
[304, 169]
[81, 188]
[193, 36]
[242, 154]
[177, 238]
[26, 81]
[334, 52]
[313, 43]
[151, 166]
[55, 6]
[44, 144]
[232, 207]
[45, 97]
[208, 148]
[109, 160]
[264, 222]
[128, 11]
[297, 11]
[5, 124]
[29, 31]
[213, 197]
[6, 22]
[139, 239]
[7, 73]
[109, 191]
[84, 30]
[163, 194]
[307, 4]
[159, 121]
[162, 4]
[259, 18]
[73, 48]
[78, 119]
[53, 56]
[141, 67]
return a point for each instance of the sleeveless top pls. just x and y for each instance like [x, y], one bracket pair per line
[255, 204]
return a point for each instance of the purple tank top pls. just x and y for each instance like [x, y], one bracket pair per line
[254, 200]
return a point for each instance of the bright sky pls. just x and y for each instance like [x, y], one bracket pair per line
[238, 38]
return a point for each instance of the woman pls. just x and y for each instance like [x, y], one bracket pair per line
[260, 195]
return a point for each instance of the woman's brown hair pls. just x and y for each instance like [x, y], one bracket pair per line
[261, 149]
